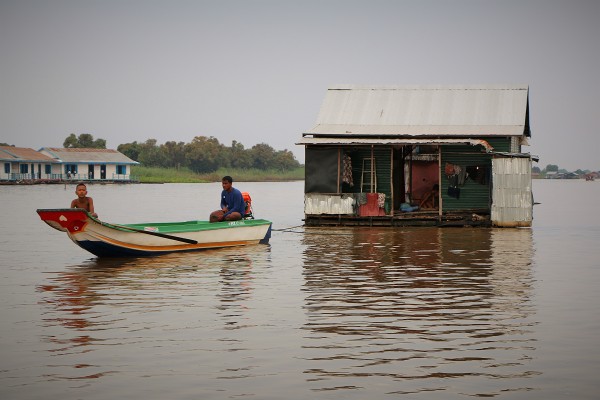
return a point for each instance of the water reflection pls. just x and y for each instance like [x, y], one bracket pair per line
[411, 311]
[236, 289]
[109, 305]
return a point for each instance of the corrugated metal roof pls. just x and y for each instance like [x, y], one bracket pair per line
[367, 141]
[90, 156]
[23, 154]
[483, 110]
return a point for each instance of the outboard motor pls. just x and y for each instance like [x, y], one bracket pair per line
[248, 201]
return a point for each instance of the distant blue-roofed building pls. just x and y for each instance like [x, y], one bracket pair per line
[91, 164]
[25, 164]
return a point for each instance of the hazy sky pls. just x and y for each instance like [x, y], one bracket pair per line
[257, 71]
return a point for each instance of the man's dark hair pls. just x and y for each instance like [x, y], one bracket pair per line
[227, 178]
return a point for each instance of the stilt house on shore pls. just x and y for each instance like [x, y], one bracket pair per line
[92, 165]
[420, 155]
[23, 165]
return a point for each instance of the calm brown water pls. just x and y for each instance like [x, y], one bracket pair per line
[421, 313]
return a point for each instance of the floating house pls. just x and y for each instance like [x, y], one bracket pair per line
[88, 164]
[420, 155]
[25, 164]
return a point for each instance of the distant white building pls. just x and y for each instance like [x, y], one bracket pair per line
[91, 164]
[24, 164]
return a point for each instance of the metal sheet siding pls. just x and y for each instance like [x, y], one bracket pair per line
[512, 195]
[327, 204]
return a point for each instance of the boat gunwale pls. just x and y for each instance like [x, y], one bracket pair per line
[194, 225]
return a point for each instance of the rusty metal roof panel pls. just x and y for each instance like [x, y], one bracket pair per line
[23, 154]
[89, 156]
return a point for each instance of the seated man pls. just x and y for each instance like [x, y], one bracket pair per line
[430, 200]
[233, 206]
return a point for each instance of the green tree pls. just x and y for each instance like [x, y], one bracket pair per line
[70, 141]
[284, 160]
[84, 140]
[131, 150]
[238, 156]
[536, 170]
[99, 144]
[151, 155]
[551, 167]
[204, 154]
[263, 156]
[174, 154]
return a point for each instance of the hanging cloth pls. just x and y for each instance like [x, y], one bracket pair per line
[381, 200]
[347, 171]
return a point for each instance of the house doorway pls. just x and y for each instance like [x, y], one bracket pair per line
[91, 171]
[103, 171]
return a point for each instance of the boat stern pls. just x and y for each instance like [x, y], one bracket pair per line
[265, 240]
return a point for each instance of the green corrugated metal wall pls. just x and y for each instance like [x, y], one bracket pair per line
[472, 194]
[499, 144]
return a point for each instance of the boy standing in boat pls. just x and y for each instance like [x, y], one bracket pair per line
[82, 201]
[232, 203]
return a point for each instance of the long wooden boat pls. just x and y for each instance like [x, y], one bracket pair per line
[111, 240]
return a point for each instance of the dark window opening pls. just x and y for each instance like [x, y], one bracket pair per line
[479, 174]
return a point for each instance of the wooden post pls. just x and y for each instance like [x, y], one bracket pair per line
[391, 180]
[410, 180]
[440, 183]
[338, 171]
[372, 171]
